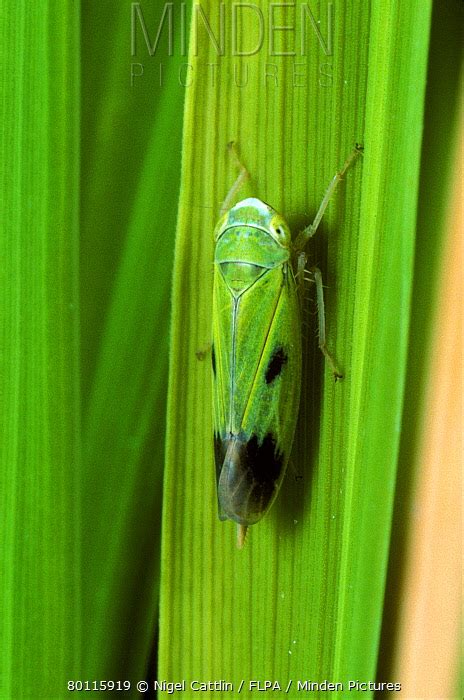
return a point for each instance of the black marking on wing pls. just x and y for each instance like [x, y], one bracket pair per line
[213, 360]
[249, 477]
[263, 459]
[276, 363]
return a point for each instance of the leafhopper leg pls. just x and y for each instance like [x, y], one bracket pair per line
[242, 177]
[301, 264]
[308, 232]
[317, 277]
[299, 276]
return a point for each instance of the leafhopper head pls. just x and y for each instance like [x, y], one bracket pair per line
[254, 213]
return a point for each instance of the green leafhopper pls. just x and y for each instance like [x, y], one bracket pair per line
[257, 351]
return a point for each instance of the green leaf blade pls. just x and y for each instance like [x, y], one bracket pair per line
[291, 604]
[40, 438]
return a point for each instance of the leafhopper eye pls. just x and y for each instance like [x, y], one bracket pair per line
[279, 231]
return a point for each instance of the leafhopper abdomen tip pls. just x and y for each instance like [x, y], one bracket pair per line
[241, 535]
